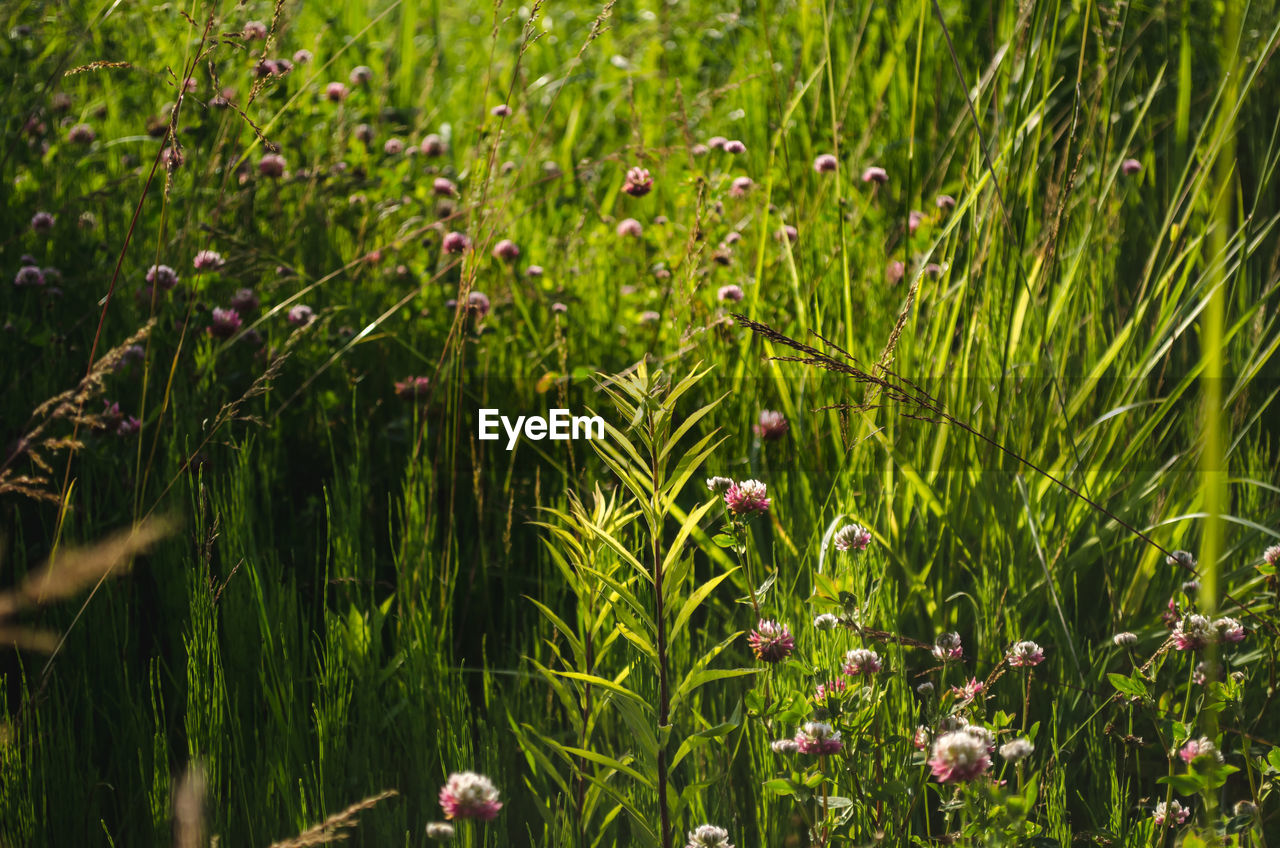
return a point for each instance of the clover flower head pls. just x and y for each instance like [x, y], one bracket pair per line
[1229, 629]
[432, 145]
[818, 737]
[224, 323]
[825, 163]
[747, 497]
[412, 387]
[455, 242]
[1172, 810]
[29, 275]
[1194, 631]
[771, 642]
[1016, 749]
[1202, 747]
[208, 260]
[831, 689]
[719, 485]
[969, 691]
[1025, 655]
[861, 662]
[478, 304]
[875, 174]
[1125, 639]
[81, 134]
[959, 756]
[852, 537]
[629, 227]
[708, 836]
[920, 739]
[467, 795]
[272, 166]
[894, 272]
[825, 621]
[639, 182]
[784, 746]
[300, 315]
[948, 647]
[440, 830]
[771, 425]
[506, 250]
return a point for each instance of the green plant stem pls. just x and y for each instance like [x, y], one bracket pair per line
[664, 698]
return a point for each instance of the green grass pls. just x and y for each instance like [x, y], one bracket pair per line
[361, 596]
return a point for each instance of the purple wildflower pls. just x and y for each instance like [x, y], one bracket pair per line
[1025, 655]
[818, 737]
[300, 315]
[638, 182]
[225, 323]
[747, 498]
[852, 537]
[771, 642]
[455, 242]
[467, 795]
[629, 227]
[28, 275]
[861, 662]
[875, 174]
[947, 647]
[271, 165]
[959, 756]
[506, 250]
[162, 277]
[208, 260]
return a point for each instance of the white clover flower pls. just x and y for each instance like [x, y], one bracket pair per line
[785, 746]
[1025, 655]
[709, 836]
[825, 621]
[439, 830]
[1016, 749]
[959, 756]
[1125, 639]
[853, 537]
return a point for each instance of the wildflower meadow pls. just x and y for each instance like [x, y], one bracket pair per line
[640, 423]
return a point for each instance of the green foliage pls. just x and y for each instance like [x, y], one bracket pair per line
[365, 596]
